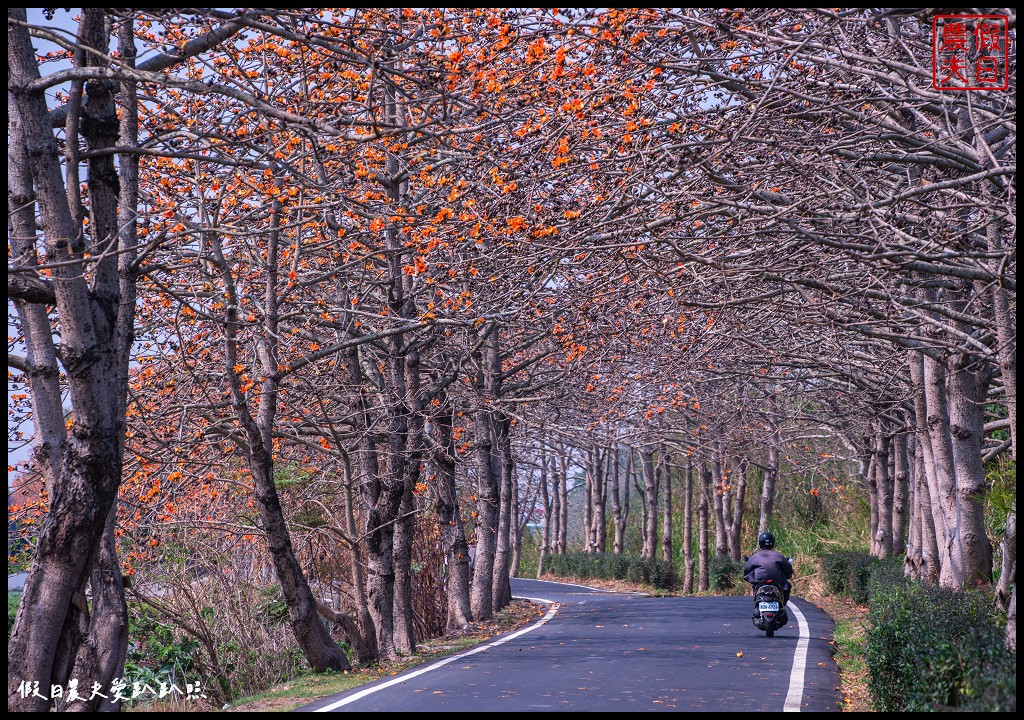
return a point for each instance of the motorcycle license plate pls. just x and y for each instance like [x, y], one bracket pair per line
[768, 607]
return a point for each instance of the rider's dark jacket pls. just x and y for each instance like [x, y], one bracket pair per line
[768, 565]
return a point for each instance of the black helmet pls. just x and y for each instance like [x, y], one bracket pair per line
[766, 541]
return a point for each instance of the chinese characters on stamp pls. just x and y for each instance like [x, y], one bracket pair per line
[970, 52]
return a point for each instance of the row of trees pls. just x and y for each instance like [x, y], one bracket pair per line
[332, 273]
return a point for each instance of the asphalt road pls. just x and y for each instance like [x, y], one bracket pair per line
[603, 651]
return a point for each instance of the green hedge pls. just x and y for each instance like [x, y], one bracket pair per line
[724, 574]
[848, 573]
[608, 566]
[927, 648]
[932, 648]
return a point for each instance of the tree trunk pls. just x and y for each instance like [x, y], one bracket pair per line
[913, 560]
[951, 575]
[666, 526]
[501, 588]
[931, 564]
[618, 517]
[883, 497]
[703, 582]
[928, 479]
[102, 655]
[771, 472]
[1008, 566]
[651, 506]
[563, 479]
[600, 500]
[367, 480]
[721, 536]
[366, 644]
[901, 492]
[627, 480]
[588, 503]
[739, 496]
[966, 426]
[688, 528]
[1011, 622]
[449, 518]
[405, 628]
[516, 529]
[1006, 336]
[546, 504]
[489, 481]
[312, 636]
[556, 505]
[45, 636]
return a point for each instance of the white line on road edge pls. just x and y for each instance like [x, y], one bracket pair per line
[796, 677]
[453, 658]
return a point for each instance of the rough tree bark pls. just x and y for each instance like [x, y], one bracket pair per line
[721, 532]
[666, 516]
[619, 514]
[740, 465]
[449, 518]
[901, 492]
[545, 499]
[488, 472]
[771, 469]
[688, 528]
[501, 588]
[650, 547]
[703, 581]
[47, 632]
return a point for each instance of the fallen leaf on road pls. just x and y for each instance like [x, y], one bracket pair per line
[739, 654]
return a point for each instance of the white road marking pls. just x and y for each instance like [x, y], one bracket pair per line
[402, 678]
[796, 676]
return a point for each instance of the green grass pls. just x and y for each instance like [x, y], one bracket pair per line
[13, 598]
[850, 639]
[304, 689]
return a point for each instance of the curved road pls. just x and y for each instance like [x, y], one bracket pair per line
[605, 651]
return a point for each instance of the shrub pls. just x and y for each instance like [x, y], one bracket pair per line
[664, 575]
[636, 571]
[659, 573]
[848, 573]
[936, 649]
[724, 574]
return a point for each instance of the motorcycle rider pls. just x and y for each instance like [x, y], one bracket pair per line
[768, 564]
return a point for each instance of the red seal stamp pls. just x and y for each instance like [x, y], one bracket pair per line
[970, 52]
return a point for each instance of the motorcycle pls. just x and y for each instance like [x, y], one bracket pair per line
[769, 608]
[769, 605]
